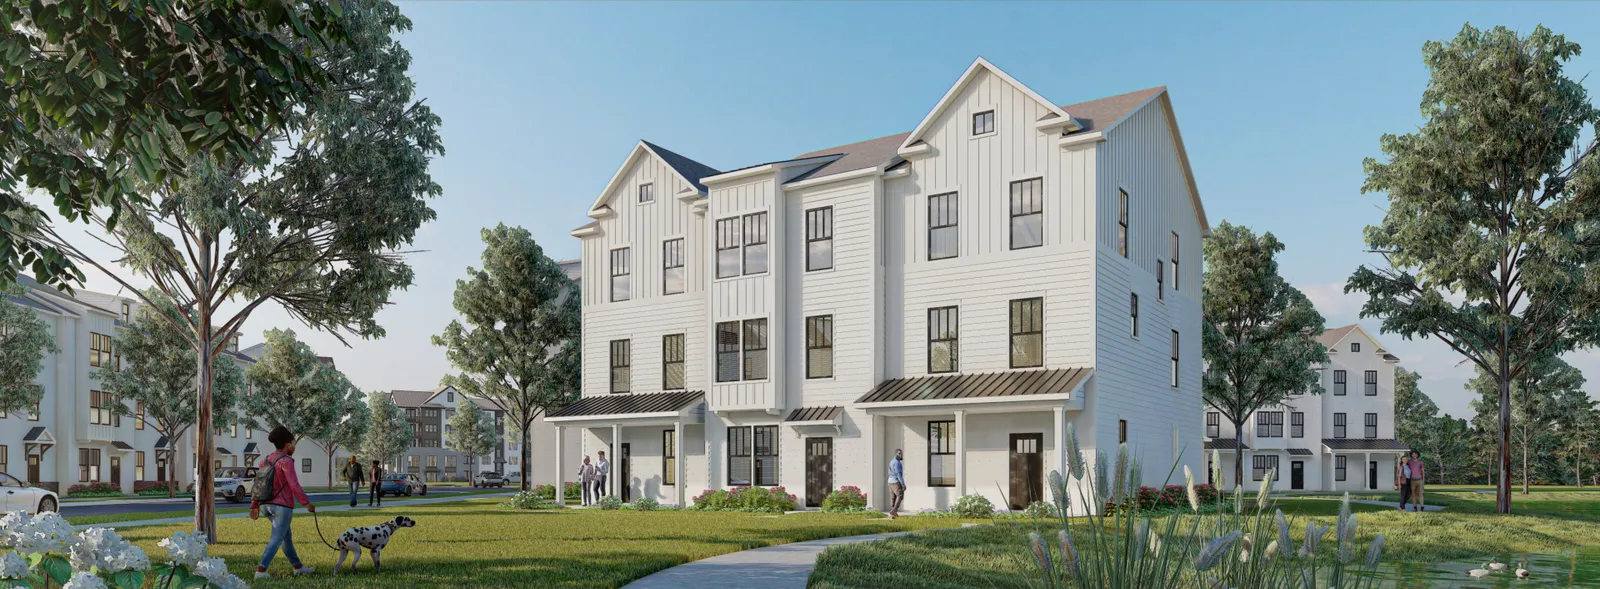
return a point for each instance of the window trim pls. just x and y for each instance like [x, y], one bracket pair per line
[626, 258]
[993, 121]
[1015, 306]
[823, 216]
[1213, 424]
[1340, 426]
[814, 343]
[1339, 383]
[1011, 196]
[1370, 384]
[626, 347]
[953, 199]
[646, 188]
[954, 340]
[667, 360]
[1122, 222]
[667, 258]
[947, 442]
[1369, 426]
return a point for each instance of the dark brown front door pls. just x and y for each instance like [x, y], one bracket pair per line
[626, 482]
[1027, 464]
[33, 468]
[819, 470]
[116, 471]
[1297, 475]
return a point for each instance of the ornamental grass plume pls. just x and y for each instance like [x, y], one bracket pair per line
[1213, 551]
[1266, 488]
[1074, 454]
[1041, 554]
[1141, 539]
[1069, 553]
[1188, 486]
[1119, 484]
[1244, 548]
[1284, 541]
[1216, 468]
[1375, 552]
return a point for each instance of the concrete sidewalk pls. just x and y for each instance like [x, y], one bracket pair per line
[1392, 504]
[774, 567]
[300, 512]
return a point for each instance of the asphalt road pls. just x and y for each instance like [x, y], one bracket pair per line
[69, 509]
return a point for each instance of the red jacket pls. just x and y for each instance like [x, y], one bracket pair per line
[285, 483]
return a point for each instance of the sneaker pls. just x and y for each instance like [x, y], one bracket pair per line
[263, 575]
[304, 570]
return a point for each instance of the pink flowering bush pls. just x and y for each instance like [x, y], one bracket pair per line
[775, 499]
[846, 498]
[93, 489]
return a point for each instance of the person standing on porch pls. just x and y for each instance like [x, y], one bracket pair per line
[897, 483]
[1415, 480]
[602, 470]
[586, 480]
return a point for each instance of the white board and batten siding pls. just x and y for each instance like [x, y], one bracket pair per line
[752, 296]
[649, 314]
[1132, 378]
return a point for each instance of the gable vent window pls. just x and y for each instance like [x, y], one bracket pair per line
[1027, 213]
[819, 239]
[621, 276]
[672, 281]
[1355, 346]
[647, 193]
[943, 228]
[983, 123]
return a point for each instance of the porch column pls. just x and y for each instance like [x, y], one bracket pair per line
[1060, 414]
[879, 480]
[961, 452]
[677, 461]
[1366, 472]
[611, 460]
[561, 485]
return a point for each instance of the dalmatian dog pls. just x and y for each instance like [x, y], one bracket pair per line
[373, 538]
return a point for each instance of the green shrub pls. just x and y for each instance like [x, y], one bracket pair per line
[846, 498]
[646, 504]
[774, 500]
[609, 502]
[973, 507]
[572, 491]
[545, 492]
[1040, 510]
[530, 500]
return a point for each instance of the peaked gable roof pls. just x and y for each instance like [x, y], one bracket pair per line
[981, 65]
[689, 170]
[1104, 113]
[1331, 338]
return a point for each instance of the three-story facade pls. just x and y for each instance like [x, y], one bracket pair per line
[961, 293]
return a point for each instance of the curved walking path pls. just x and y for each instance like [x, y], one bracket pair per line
[1425, 507]
[773, 567]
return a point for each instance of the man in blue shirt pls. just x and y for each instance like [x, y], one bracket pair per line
[897, 483]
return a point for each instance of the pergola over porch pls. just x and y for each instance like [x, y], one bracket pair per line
[674, 408]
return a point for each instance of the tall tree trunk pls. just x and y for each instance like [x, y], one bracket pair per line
[331, 449]
[172, 471]
[1524, 460]
[1238, 454]
[205, 507]
[1502, 489]
[525, 452]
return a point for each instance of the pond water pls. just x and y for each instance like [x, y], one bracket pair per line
[1552, 570]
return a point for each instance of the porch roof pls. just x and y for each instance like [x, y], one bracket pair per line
[1299, 452]
[1364, 444]
[815, 414]
[628, 405]
[1220, 444]
[121, 445]
[250, 448]
[35, 435]
[987, 386]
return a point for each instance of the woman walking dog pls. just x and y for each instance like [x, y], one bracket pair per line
[277, 488]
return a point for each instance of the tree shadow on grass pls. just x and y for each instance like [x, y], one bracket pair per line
[598, 570]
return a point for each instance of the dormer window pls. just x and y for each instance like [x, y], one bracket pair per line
[983, 123]
[1355, 346]
[647, 193]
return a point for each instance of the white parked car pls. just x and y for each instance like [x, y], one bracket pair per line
[233, 483]
[16, 495]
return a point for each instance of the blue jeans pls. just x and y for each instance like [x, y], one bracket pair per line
[355, 490]
[282, 535]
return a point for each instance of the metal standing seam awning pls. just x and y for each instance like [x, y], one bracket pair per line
[822, 417]
[121, 446]
[1299, 452]
[632, 409]
[1010, 390]
[1223, 445]
[1372, 445]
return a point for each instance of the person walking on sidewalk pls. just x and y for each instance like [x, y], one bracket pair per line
[1414, 480]
[356, 476]
[601, 470]
[586, 480]
[897, 483]
[375, 491]
[279, 508]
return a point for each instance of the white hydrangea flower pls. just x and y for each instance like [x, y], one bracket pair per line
[132, 558]
[103, 548]
[185, 548]
[231, 582]
[213, 569]
[12, 566]
[32, 535]
[85, 581]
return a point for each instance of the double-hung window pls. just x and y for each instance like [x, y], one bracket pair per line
[1372, 383]
[943, 339]
[672, 361]
[742, 245]
[755, 349]
[1338, 468]
[1122, 222]
[819, 239]
[1027, 213]
[1338, 383]
[1297, 425]
[1027, 333]
[727, 247]
[1260, 465]
[672, 277]
[1174, 265]
[621, 365]
[1161, 282]
[88, 465]
[819, 346]
[1133, 314]
[1338, 425]
[742, 344]
[1213, 424]
[1174, 367]
[728, 351]
[99, 350]
[755, 243]
[621, 275]
[944, 230]
[941, 454]
[753, 456]
[1269, 424]
[1371, 426]
[669, 458]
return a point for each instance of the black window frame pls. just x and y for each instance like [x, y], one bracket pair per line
[1261, 464]
[1174, 264]
[1122, 222]
[1297, 424]
[1339, 472]
[1269, 424]
[1030, 191]
[727, 344]
[1340, 427]
[672, 263]
[1133, 314]
[647, 192]
[942, 444]
[819, 228]
[1213, 424]
[766, 461]
[944, 212]
[952, 315]
[622, 257]
[983, 117]
[1370, 384]
[1369, 426]
[729, 239]
[669, 458]
[1176, 359]
[1161, 281]
[674, 355]
[748, 348]
[754, 239]
[1122, 431]
[1027, 321]
[1339, 383]
[625, 347]
[819, 337]
[1355, 346]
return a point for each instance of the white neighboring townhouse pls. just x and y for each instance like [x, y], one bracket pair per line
[432, 458]
[73, 437]
[1341, 440]
[961, 292]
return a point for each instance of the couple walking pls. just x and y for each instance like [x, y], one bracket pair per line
[593, 478]
[357, 477]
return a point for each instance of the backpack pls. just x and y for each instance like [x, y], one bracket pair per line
[261, 490]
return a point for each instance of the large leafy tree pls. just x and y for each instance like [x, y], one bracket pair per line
[1580, 437]
[24, 340]
[472, 432]
[314, 222]
[1544, 399]
[389, 434]
[516, 343]
[1414, 411]
[146, 83]
[158, 375]
[294, 388]
[1447, 443]
[1260, 334]
[1491, 242]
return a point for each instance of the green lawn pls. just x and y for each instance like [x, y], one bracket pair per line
[223, 507]
[476, 543]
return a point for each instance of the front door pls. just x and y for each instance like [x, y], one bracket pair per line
[819, 470]
[625, 484]
[1372, 474]
[1297, 475]
[1027, 464]
[33, 468]
[161, 468]
[116, 471]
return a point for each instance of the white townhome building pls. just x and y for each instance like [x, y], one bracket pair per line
[961, 292]
[74, 437]
[1340, 440]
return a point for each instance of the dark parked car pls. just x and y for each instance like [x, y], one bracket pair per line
[402, 484]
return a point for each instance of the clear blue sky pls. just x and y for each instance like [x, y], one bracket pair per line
[1278, 102]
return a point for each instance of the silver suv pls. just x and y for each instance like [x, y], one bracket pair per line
[489, 479]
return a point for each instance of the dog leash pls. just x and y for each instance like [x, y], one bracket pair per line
[318, 521]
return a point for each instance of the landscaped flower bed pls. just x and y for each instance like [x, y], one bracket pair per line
[845, 499]
[156, 488]
[94, 489]
[774, 500]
